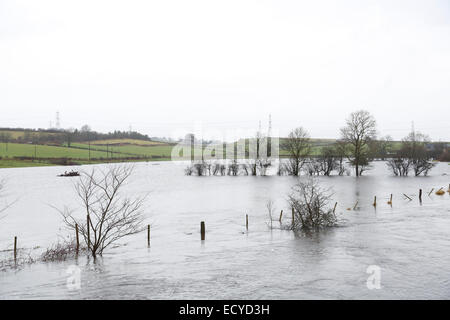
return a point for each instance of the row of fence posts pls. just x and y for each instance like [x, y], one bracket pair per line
[203, 227]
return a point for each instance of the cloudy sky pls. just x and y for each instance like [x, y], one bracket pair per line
[163, 66]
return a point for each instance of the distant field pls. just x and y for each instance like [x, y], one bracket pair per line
[163, 151]
[126, 142]
[111, 150]
[21, 134]
[44, 151]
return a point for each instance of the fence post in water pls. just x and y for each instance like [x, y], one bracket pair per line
[420, 195]
[281, 215]
[88, 235]
[15, 248]
[246, 221]
[293, 216]
[78, 239]
[390, 201]
[375, 201]
[334, 209]
[202, 230]
[148, 235]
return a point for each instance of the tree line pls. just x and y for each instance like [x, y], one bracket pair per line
[355, 149]
[65, 136]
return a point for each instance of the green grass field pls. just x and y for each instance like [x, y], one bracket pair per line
[25, 155]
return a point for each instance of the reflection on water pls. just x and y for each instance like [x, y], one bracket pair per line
[410, 242]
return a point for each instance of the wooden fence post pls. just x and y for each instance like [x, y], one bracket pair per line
[281, 215]
[15, 248]
[88, 232]
[390, 201]
[78, 239]
[246, 221]
[148, 235]
[375, 201]
[334, 209]
[420, 195]
[202, 230]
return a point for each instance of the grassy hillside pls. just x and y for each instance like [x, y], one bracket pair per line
[27, 154]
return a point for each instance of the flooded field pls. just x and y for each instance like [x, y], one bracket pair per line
[409, 241]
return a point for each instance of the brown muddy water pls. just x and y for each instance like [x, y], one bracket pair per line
[409, 242]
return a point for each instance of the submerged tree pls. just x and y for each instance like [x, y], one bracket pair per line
[310, 203]
[412, 155]
[327, 160]
[110, 215]
[359, 130]
[298, 146]
[340, 150]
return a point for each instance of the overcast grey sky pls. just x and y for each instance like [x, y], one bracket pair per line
[162, 65]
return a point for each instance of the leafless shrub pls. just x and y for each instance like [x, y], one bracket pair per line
[313, 168]
[399, 166]
[413, 155]
[327, 160]
[216, 168]
[245, 169]
[233, 168]
[18, 263]
[310, 202]
[9, 263]
[222, 169]
[298, 145]
[340, 152]
[61, 251]
[111, 215]
[253, 166]
[270, 206]
[281, 169]
[189, 170]
[200, 168]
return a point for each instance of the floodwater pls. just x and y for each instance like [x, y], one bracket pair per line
[409, 242]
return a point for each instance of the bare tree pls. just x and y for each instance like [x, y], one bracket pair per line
[298, 146]
[233, 168]
[413, 155]
[310, 202]
[399, 165]
[360, 128]
[340, 149]
[313, 167]
[110, 215]
[327, 160]
[200, 168]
